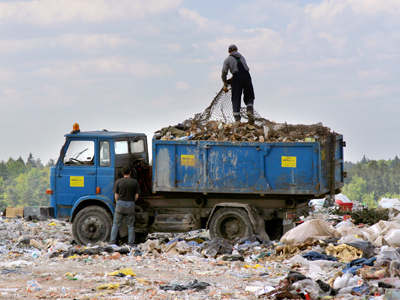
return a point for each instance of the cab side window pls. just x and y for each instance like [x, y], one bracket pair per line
[137, 147]
[80, 153]
[105, 158]
[121, 147]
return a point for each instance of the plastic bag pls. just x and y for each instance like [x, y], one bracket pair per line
[394, 281]
[297, 259]
[392, 238]
[349, 239]
[217, 246]
[385, 257]
[388, 203]
[347, 280]
[308, 285]
[309, 231]
[394, 268]
[366, 247]
[346, 223]
[394, 213]
[59, 246]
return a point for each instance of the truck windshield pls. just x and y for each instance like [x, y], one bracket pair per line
[80, 153]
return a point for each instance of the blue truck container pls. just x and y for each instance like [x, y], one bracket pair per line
[294, 168]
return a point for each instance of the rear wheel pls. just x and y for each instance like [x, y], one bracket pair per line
[92, 224]
[230, 223]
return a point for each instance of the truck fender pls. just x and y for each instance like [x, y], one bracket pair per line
[105, 202]
[256, 220]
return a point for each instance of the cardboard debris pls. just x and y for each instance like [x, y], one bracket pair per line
[11, 212]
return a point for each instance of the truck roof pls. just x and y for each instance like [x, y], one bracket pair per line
[103, 134]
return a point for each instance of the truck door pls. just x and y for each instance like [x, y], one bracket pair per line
[76, 176]
[105, 171]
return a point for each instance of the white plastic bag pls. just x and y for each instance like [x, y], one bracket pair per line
[392, 238]
[394, 213]
[388, 203]
[59, 246]
[297, 259]
[385, 257]
[347, 280]
[308, 285]
[309, 231]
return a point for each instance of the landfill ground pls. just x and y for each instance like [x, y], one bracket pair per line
[326, 257]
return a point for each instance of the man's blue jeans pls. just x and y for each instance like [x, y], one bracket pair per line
[124, 209]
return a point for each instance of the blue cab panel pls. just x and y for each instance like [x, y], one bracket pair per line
[296, 168]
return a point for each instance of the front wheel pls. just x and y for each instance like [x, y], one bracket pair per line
[230, 223]
[92, 224]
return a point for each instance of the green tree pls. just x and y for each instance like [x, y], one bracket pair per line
[31, 162]
[4, 173]
[39, 164]
[16, 167]
[356, 189]
[3, 202]
[51, 162]
[369, 200]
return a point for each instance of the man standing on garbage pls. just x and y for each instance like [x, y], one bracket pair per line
[241, 82]
[126, 192]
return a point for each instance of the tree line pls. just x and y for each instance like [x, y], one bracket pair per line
[368, 181]
[25, 183]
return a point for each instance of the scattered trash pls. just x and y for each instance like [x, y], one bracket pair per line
[324, 257]
[122, 273]
[33, 286]
[194, 285]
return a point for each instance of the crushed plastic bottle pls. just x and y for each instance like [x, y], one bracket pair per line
[36, 254]
[33, 286]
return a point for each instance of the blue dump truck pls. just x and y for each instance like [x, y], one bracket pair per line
[233, 189]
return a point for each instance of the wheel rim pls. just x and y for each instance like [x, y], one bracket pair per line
[231, 227]
[91, 228]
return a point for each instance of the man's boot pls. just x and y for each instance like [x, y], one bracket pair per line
[250, 116]
[237, 121]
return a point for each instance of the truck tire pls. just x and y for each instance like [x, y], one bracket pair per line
[92, 224]
[230, 223]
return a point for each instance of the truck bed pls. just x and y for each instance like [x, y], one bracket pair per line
[294, 168]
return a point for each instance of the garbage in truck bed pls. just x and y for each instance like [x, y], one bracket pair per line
[216, 123]
[219, 131]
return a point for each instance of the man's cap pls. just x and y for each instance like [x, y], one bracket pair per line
[232, 47]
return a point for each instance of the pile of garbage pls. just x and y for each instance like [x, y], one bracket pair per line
[270, 132]
[326, 256]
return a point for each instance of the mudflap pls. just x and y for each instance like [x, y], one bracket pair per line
[259, 227]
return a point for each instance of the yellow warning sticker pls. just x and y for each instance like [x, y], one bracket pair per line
[288, 161]
[188, 160]
[323, 154]
[77, 181]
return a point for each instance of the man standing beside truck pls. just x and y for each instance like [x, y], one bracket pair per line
[126, 192]
[241, 81]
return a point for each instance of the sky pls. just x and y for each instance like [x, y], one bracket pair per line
[140, 65]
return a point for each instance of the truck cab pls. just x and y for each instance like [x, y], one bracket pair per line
[82, 181]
